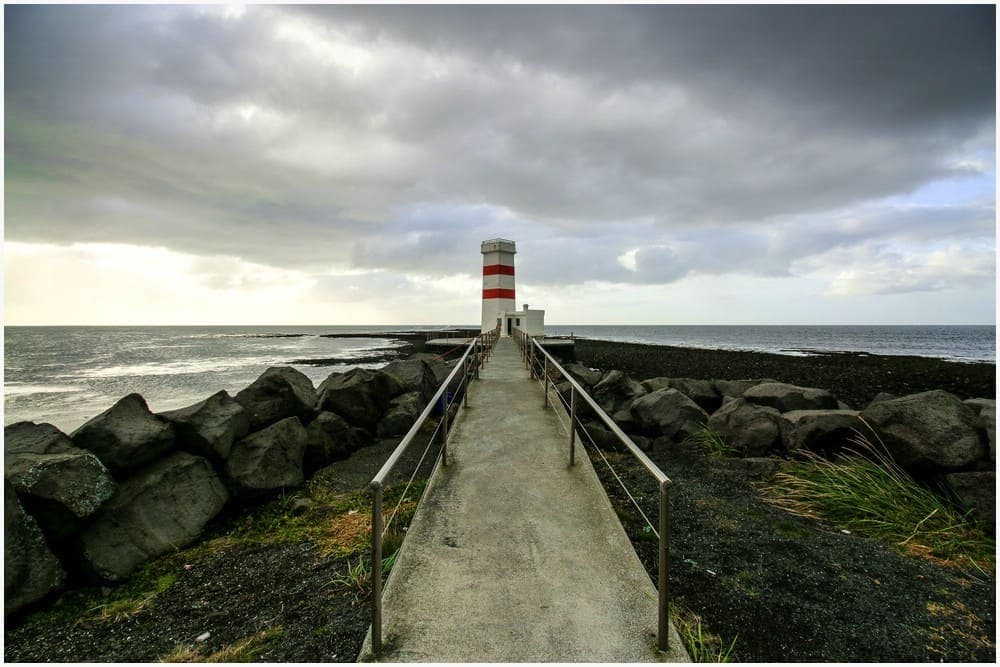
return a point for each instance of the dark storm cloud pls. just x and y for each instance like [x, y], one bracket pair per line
[704, 139]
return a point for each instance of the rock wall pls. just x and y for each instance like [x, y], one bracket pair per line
[130, 485]
[933, 435]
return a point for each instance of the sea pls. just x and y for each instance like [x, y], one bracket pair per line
[66, 375]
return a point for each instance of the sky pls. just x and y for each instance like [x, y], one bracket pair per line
[655, 164]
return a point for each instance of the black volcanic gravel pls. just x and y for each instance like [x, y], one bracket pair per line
[853, 377]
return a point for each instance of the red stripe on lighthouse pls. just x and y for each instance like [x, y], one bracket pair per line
[498, 294]
[498, 269]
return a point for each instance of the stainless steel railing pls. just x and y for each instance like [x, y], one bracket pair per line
[541, 364]
[475, 355]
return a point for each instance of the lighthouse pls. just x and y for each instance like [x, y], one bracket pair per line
[499, 307]
[498, 280]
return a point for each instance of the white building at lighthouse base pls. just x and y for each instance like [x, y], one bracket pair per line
[531, 321]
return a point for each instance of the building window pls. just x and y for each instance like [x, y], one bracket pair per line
[517, 322]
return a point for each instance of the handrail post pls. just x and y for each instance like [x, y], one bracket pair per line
[663, 602]
[572, 424]
[545, 381]
[376, 568]
[468, 381]
[444, 437]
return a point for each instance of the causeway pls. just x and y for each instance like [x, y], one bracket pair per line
[513, 555]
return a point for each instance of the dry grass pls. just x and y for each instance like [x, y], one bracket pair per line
[701, 645]
[865, 492]
[243, 650]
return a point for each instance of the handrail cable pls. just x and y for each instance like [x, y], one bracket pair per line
[583, 429]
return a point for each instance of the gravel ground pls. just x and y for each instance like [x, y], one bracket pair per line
[788, 590]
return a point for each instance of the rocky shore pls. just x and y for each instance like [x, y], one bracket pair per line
[94, 510]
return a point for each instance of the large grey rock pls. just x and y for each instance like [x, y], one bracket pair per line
[978, 492]
[987, 409]
[414, 375]
[126, 436]
[163, 507]
[787, 397]
[702, 392]
[616, 391]
[735, 388]
[753, 430]
[360, 396]
[882, 396]
[269, 459]
[210, 427]
[438, 366]
[32, 438]
[330, 438]
[401, 414]
[668, 412]
[821, 431]
[583, 374]
[279, 393]
[75, 481]
[30, 570]
[928, 431]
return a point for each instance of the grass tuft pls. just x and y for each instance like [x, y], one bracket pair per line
[866, 492]
[701, 645]
[713, 443]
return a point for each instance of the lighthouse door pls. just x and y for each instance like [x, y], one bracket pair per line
[508, 325]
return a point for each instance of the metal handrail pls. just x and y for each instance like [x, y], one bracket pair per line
[528, 346]
[480, 349]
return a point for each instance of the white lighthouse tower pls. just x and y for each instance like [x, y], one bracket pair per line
[499, 307]
[498, 281]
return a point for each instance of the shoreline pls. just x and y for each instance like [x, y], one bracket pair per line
[853, 377]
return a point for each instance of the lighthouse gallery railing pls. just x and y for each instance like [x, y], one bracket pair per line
[467, 367]
[541, 364]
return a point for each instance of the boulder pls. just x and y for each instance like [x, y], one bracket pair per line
[735, 388]
[74, 481]
[820, 431]
[929, 431]
[161, 508]
[751, 429]
[415, 375]
[279, 393]
[987, 409]
[126, 436]
[330, 438]
[615, 391]
[439, 366]
[978, 492]
[360, 396]
[401, 414]
[268, 459]
[32, 438]
[988, 421]
[626, 421]
[787, 397]
[978, 404]
[587, 377]
[702, 392]
[30, 570]
[210, 427]
[882, 396]
[668, 412]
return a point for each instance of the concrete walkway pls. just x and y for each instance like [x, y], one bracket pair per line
[513, 556]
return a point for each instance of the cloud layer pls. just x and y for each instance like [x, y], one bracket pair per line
[621, 145]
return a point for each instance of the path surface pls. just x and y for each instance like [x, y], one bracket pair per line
[513, 556]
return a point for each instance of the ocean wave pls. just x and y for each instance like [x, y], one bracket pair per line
[15, 389]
